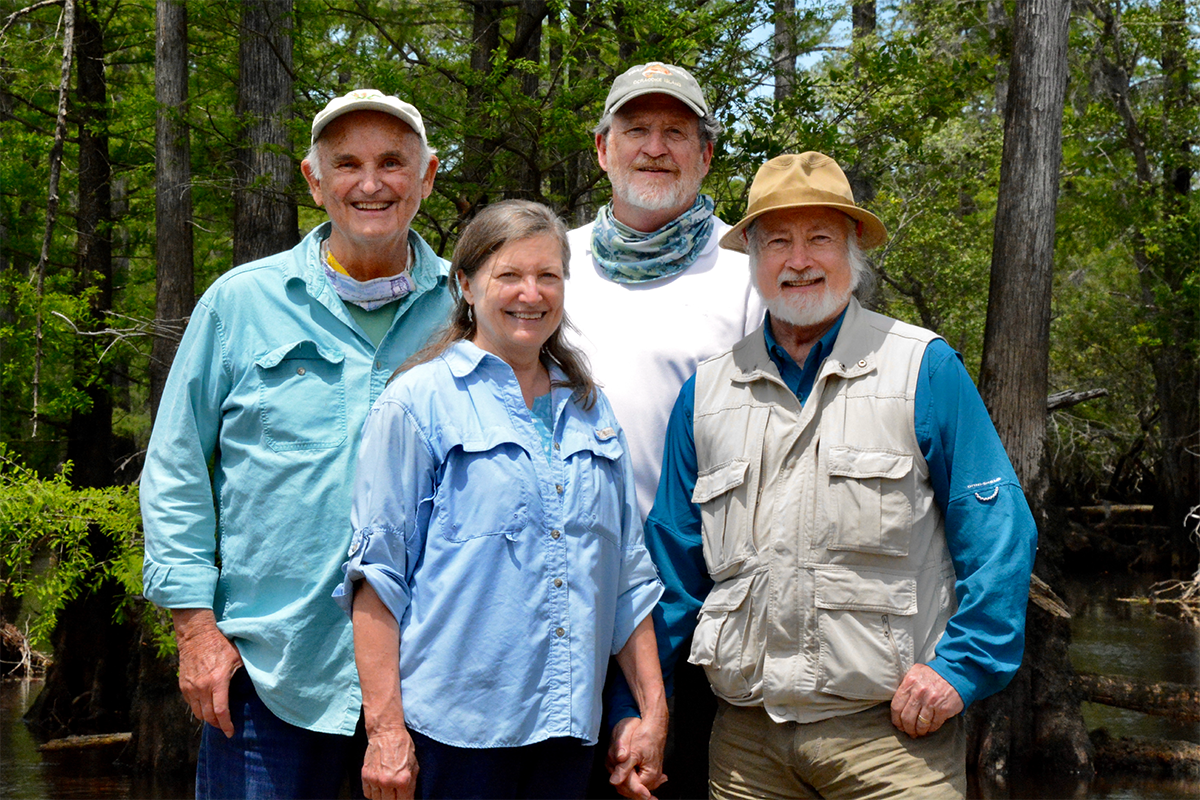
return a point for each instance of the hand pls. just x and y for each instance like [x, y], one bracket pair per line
[207, 661]
[390, 767]
[635, 757]
[924, 702]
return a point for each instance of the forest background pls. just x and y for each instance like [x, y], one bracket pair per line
[149, 147]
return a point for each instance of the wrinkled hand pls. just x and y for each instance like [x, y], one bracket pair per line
[635, 757]
[924, 702]
[390, 767]
[207, 661]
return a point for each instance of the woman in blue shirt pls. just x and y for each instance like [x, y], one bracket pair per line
[497, 559]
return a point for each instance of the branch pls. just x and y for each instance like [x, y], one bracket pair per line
[1068, 398]
[13, 17]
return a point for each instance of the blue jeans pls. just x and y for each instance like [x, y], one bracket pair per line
[270, 758]
[551, 770]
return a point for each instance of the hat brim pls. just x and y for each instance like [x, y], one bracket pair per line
[367, 105]
[874, 233]
[700, 112]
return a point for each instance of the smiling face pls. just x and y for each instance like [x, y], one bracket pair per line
[372, 182]
[655, 160]
[517, 298]
[801, 266]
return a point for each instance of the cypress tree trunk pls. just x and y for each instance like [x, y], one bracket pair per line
[1036, 721]
[265, 217]
[174, 281]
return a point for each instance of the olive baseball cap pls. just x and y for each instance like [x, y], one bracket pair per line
[656, 78]
[795, 181]
[369, 100]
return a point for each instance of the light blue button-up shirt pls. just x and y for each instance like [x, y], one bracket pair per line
[269, 390]
[514, 577]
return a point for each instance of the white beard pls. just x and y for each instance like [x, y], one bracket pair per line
[639, 191]
[806, 313]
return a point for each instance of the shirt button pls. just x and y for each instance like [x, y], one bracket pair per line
[556, 447]
[554, 534]
[558, 488]
[560, 632]
[378, 365]
[862, 363]
[301, 371]
[557, 583]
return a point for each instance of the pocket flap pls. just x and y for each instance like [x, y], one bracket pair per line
[720, 479]
[729, 595]
[866, 590]
[304, 348]
[852, 462]
[600, 441]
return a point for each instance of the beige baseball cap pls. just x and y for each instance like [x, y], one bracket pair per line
[656, 78]
[369, 100]
[807, 179]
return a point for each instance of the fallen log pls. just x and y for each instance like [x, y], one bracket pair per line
[1162, 699]
[1159, 758]
[1069, 398]
[85, 742]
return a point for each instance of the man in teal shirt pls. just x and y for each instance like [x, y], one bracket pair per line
[245, 492]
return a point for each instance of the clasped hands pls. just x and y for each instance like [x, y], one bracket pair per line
[635, 756]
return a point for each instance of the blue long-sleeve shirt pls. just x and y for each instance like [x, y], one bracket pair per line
[513, 572]
[992, 545]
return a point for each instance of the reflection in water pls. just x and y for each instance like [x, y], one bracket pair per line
[26, 774]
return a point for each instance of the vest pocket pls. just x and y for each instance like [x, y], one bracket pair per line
[864, 630]
[725, 545]
[870, 510]
[729, 640]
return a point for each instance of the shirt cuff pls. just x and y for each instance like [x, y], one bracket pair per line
[179, 585]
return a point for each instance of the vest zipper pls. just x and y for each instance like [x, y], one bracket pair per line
[887, 634]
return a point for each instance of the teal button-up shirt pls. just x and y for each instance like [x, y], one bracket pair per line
[246, 488]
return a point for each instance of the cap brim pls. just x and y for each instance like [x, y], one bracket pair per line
[874, 233]
[365, 105]
[700, 112]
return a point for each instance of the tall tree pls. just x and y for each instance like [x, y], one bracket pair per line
[783, 48]
[1036, 720]
[173, 276]
[265, 216]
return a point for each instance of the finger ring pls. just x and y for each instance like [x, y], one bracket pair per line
[926, 720]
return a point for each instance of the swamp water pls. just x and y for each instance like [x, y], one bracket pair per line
[1108, 637]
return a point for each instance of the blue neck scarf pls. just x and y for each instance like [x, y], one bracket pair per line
[630, 256]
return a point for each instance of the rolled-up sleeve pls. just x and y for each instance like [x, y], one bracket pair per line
[178, 511]
[393, 497]
[640, 587]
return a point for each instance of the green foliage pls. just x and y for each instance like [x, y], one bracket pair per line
[59, 541]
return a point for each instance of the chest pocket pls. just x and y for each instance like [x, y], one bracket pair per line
[485, 490]
[594, 482]
[725, 513]
[869, 495]
[302, 396]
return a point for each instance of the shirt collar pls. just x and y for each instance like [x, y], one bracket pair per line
[425, 272]
[800, 380]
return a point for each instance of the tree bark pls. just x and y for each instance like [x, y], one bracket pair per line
[783, 49]
[1016, 347]
[90, 444]
[174, 275]
[265, 216]
[1036, 721]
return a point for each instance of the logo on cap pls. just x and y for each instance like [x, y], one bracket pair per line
[655, 69]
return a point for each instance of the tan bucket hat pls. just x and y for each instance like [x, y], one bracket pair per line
[808, 179]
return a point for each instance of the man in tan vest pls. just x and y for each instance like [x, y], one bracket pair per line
[837, 523]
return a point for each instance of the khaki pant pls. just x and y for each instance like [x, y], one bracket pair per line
[853, 756]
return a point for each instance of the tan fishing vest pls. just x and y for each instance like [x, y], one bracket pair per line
[820, 529]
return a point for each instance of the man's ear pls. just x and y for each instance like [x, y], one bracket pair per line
[314, 185]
